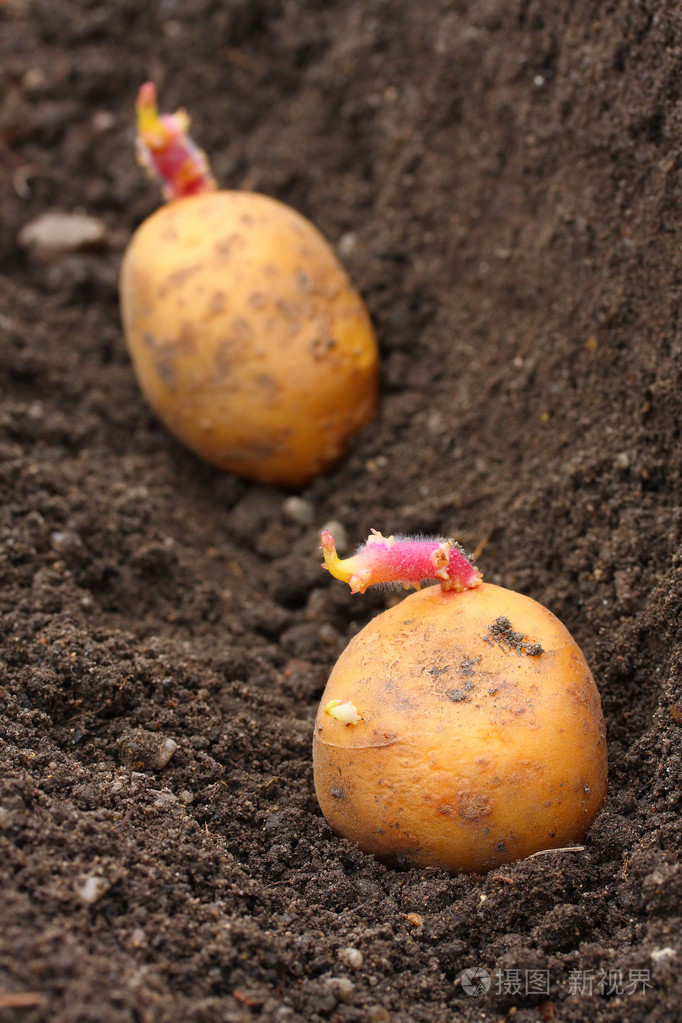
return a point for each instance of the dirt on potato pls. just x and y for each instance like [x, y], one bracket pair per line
[503, 182]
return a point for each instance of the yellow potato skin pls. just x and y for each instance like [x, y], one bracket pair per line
[473, 750]
[246, 336]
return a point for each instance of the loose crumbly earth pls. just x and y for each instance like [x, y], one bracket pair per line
[503, 181]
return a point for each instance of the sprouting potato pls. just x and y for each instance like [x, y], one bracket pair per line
[476, 734]
[246, 335]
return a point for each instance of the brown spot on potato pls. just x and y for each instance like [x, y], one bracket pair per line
[225, 247]
[321, 347]
[166, 372]
[473, 806]
[242, 331]
[176, 279]
[264, 382]
[186, 341]
[217, 303]
[222, 358]
[289, 310]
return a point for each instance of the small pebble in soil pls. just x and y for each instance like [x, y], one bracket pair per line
[103, 121]
[138, 939]
[143, 750]
[53, 234]
[91, 888]
[298, 510]
[165, 799]
[351, 957]
[346, 244]
[328, 634]
[342, 988]
[663, 953]
[66, 542]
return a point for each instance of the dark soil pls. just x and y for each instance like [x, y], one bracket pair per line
[504, 183]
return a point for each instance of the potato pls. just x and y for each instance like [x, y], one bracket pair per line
[462, 730]
[246, 336]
